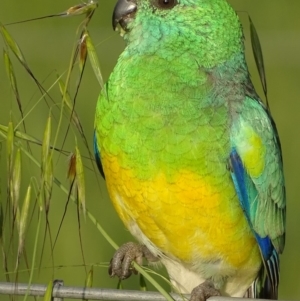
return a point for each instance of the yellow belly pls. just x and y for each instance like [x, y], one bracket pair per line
[185, 217]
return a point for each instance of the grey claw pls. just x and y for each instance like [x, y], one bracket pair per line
[204, 291]
[121, 263]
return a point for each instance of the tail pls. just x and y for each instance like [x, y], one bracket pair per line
[265, 286]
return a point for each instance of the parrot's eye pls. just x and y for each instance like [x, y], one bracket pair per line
[165, 4]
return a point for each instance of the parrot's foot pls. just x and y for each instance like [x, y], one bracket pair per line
[204, 291]
[120, 265]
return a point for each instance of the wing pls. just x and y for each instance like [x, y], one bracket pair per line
[257, 173]
[97, 156]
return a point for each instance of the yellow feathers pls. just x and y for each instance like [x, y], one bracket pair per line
[187, 217]
[252, 151]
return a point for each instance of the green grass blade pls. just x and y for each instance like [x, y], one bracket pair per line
[258, 56]
[11, 43]
[90, 278]
[143, 284]
[82, 53]
[10, 146]
[82, 9]
[48, 293]
[23, 220]
[16, 182]
[94, 59]
[13, 83]
[46, 141]
[80, 180]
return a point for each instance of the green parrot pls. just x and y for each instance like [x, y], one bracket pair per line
[189, 152]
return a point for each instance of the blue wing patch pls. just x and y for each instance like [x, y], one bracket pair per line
[98, 157]
[239, 178]
[247, 194]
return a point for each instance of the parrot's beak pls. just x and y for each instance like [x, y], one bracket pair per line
[123, 13]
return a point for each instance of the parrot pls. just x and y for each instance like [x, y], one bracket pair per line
[190, 153]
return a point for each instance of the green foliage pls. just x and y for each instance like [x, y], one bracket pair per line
[36, 207]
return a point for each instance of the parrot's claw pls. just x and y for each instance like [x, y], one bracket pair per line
[121, 263]
[204, 291]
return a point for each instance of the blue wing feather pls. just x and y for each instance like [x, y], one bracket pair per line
[247, 192]
[97, 156]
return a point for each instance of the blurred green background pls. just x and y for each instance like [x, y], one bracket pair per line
[47, 46]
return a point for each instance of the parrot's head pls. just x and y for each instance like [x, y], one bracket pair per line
[207, 29]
